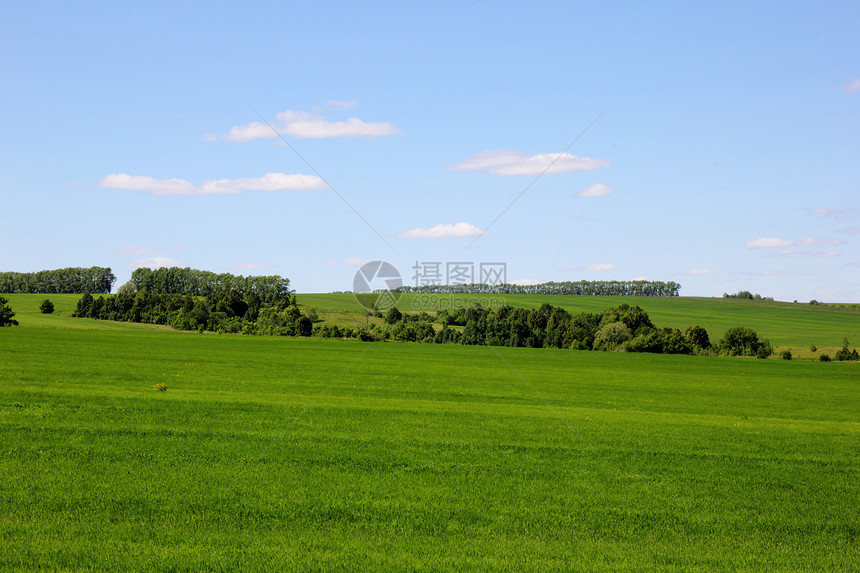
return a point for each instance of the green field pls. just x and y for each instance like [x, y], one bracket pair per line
[273, 453]
[786, 325]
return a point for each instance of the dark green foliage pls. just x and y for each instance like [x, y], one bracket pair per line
[193, 282]
[786, 355]
[745, 294]
[592, 288]
[6, 314]
[625, 327]
[73, 280]
[611, 336]
[226, 312]
[740, 341]
[824, 358]
[47, 307]
[697, 337]
[843, 354]
[393, 315]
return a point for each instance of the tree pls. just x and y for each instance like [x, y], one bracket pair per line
[697, 337]
[611, 336]
[6, 314]
[47, 307]
[393, 315]
[740, 341]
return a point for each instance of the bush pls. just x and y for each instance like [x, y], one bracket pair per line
[740, 341]
[47, 307]
[161, 387]
[393, 315]
[824, 358]
[611, 336]
[813, 348]
[786, 355]
[6, 314]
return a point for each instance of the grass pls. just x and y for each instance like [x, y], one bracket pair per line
[272, 453]
[786, 325]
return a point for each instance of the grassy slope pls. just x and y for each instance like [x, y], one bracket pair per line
[268, 453]
[785, 324]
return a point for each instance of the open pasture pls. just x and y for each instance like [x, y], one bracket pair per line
[272, 453]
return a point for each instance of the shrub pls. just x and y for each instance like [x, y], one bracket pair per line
[161, 387]
[611, 336]
[813, 348]
[824, 358]
[740, 341]
[47, 307]
[6, 314]
[786, 355]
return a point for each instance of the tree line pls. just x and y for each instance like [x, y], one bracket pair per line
[228, 312]
[72, 280]
[623, 328]
[193, 282]
[593, 288]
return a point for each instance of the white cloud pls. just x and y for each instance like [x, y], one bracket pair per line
[600, 267]
[842, 214]
[349, 262]
[505, 162]
[767, 243]
[805, 243]
[852, 87]
[442, 231]
[596, 190]
[301, 124]
[525, 282]
[134, 250]
[699, 272]
[152, 263]
[250, 266]
[855, 230]
[268, 182]
[342, 104]
[789, 254]
[760, 273]
[640, 278]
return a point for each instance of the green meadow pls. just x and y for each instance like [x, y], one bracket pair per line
[269, 453]
[787, 325]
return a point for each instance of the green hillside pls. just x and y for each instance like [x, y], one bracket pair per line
[784, 324]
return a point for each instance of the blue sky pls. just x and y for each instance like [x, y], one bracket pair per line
[724, 155]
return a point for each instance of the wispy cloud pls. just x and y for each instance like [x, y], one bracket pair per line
[525, 282]
[505, 162]
[350, 262]
[342, 104]
[852, 87]
[442, 231]
[268, 182]
[699, 272]
[760, 273]
[854, 230]
[600, 267]
[775, 243]
[843, 214]
[152, 263]
[250, 266]
[596, 190]
[135, 250]
[790, 254]
[303, 124]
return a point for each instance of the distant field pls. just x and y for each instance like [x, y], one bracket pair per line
[271, 453]
[786, 325]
